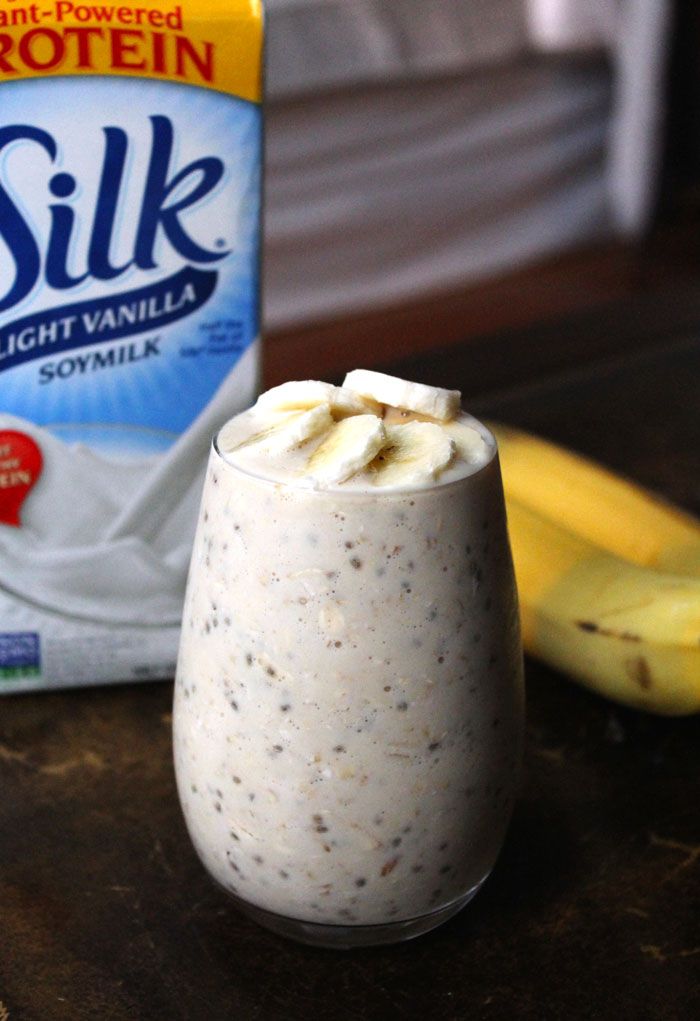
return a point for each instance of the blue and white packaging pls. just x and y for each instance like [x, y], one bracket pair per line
[129, 318]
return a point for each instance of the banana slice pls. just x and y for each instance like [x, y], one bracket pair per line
[293, 429]
[399, 416]
[471, 445]
[350, 446]
[414, 454]
[298, 395]
[400, 393]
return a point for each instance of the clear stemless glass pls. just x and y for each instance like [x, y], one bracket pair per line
[349, 701]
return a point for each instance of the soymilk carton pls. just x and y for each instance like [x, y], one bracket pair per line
[130, 179]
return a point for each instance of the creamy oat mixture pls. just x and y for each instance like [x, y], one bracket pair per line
[348, 701]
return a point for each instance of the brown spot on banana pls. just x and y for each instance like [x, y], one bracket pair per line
[607, 632]
[638, 670]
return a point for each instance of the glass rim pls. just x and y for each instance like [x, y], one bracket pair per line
[339, 492]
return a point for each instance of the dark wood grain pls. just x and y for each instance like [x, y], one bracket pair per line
[592, 911]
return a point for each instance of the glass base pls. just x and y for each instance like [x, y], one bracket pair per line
[345, 937]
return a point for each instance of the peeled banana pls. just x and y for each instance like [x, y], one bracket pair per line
[604, 508]
[631, 633]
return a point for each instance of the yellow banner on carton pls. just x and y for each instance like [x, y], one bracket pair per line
[216, 44]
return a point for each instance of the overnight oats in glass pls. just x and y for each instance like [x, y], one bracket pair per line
[349, 703]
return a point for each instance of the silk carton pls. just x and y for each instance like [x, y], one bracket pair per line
[130, 192]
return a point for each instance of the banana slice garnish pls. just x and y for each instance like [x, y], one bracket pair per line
[300, 395]
[349, 447]
[400, 393]
[393, 432]
[414, 454]
[471, 445]
[293, 429]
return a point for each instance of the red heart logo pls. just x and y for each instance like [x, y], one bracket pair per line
[20, 466]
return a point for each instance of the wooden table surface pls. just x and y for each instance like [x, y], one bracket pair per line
[592, 911]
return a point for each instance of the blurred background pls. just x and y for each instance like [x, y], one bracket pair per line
[501, 196]
[451, 171]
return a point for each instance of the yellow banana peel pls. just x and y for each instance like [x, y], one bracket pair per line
[629, 632]
[595, 503]
[608, 575]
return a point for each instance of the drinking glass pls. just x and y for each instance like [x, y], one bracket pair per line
[348, 704]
